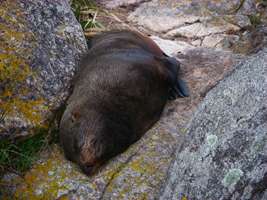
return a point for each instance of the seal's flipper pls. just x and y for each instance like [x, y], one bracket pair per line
[178, 87]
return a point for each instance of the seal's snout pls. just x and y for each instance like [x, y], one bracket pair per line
[91, 167]
[87, 168]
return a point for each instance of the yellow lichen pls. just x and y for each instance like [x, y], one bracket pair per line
[184, 198]
[145, 168]
[16, 97]
[47, 178]
[64, 197]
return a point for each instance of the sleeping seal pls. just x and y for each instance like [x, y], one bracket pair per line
[120, 91]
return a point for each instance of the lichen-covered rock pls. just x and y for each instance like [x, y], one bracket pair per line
[41, 43]
[225, 150]
[139, 172]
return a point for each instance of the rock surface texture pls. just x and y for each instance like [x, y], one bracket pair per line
[209, 38]
[225, 150]
[215, 24]
[45, 38]
[119, 3]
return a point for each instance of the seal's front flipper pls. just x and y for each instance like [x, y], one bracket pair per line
[179, 89]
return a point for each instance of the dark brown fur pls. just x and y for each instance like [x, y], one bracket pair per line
[120, 92]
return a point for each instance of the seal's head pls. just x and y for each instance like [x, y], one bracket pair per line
[81, 138]
[87, 138]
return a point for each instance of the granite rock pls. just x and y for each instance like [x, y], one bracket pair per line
[45, 38]
[225, 149]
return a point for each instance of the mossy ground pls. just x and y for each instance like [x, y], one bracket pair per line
[20, 155]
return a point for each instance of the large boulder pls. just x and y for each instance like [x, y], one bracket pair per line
[41, 43]
[224, 155]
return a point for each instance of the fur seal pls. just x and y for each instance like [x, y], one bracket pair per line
[120, 91]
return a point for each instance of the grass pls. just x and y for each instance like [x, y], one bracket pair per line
[85, 12]
[19, 156]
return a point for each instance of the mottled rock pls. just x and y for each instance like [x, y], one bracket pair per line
[172, 48]
[170, 15]
[110, 4]
[162, 17]
[225, 150]
[217, 24]
[213, 41]
[239, 20]
[44, 37]
[197, 30]
[250, 41]
[223, 7]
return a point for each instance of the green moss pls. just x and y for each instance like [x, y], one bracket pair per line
[255, 19]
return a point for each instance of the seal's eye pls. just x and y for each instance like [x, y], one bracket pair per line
[74, 116]
[72, 119]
